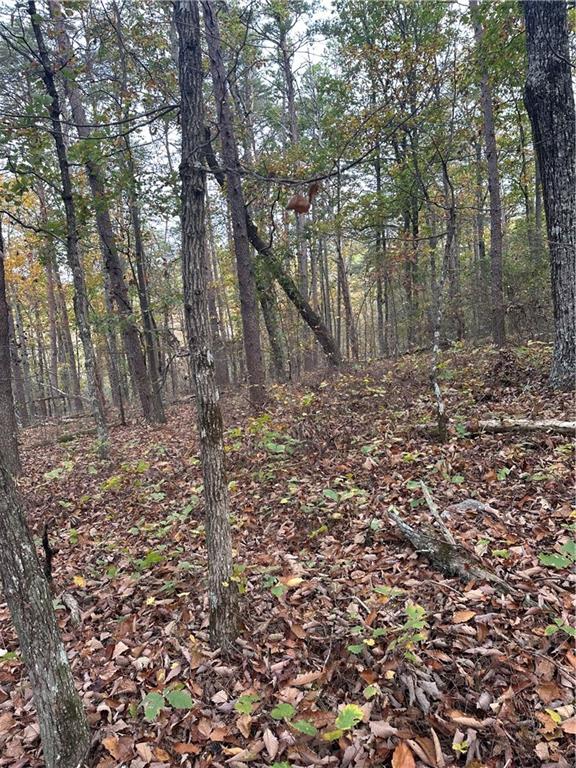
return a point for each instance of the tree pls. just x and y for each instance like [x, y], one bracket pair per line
[549, 100]
[8, 439]
[81, 306]
[149, 396]
[488, 125]
[245, 268]
[222, 592]
[63, 725]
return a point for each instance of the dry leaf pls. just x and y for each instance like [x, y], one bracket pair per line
[306, 678]
[187, 749]
[271, 743]
[382, 729]
[569, 726]
[403, 757]
[460, 617]
[243, 723]
[145, 751]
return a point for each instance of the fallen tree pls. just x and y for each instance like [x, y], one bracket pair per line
[497, 426]
[442, 550]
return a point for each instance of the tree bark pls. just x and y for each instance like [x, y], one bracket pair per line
[549, 100]
[8, 431]
[222, 591]
[488, 124]
[80, 295]
[246, 280]
[63, 725]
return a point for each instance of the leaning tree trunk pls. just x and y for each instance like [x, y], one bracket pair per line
[80, 294]
[63, 725]
[498, 326]
[222, 592]
[8, 438]
[273, 264]
[549, 101]
[246, 280]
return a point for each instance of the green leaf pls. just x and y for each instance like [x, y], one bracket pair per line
[245, 704]
[569, 549]
[282, 711]
[305, 727]
[331, 494]
[357, 649]
[371, 690]
[349, 716]
[283, 764]
[553, 560]
[551, 629]
[503, 553]
[457, 479]
[278, 590]
[153, 703]
[179, 699]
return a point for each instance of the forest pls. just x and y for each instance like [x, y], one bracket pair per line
[287, 368]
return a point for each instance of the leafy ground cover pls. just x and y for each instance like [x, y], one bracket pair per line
[354, 650]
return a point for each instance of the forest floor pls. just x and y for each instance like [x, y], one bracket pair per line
[354, 650]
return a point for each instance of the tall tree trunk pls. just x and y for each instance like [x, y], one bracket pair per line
[8, 431]
[151, 404]
[246, 280]
[80, 296]
[549, 101]
[53, 327]
[150, 335]
[498, 325]
[351, 334]
[22, 346]
[21, 403]
[63, 725]
[380, 264]
[67, 346]
[222, 592]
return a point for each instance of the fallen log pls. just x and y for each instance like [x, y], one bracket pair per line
[450, 559]
[520, 426]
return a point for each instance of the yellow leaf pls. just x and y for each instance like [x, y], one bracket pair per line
[294, 581]
[460, 617]
[80, 581]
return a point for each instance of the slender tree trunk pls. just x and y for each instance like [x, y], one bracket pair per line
[23, 354]
[8, 432]
[222, 592]
[63, 725]
[246, 280]
[151, 405]
[498, 325]
[22, 410]
[150, 336]
[67, 345]
[380, 265]
[53, 328]
[80, 296]
[549, 101]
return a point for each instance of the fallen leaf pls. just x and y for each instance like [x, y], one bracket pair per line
[403, 757]
[382, 729]
[460, 617]
[181, 748]
[569, 726]
[271, 743]
[306, 678]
